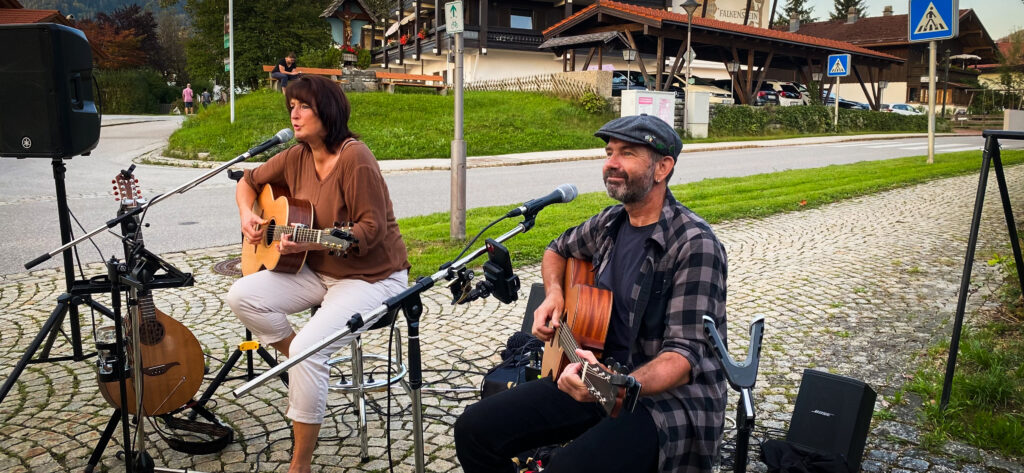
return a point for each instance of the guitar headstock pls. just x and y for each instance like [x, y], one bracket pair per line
[126, 189]
[339, 239]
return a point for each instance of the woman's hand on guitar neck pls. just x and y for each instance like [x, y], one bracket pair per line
[547, 317]
[287, 246]
[571, 380]
[252, 226]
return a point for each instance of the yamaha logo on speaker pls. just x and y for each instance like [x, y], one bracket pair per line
[822, 413]
[26, 142]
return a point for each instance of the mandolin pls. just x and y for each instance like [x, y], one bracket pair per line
[585, 325]
[287, 216]
[171, 356]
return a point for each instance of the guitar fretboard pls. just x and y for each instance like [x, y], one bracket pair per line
[299, 234]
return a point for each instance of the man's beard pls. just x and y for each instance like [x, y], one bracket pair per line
[633, 189]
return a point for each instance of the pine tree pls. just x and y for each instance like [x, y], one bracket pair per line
[842, 7]
[795, 6]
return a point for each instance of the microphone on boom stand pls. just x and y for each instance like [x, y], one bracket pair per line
[282, 136]
[562, 194]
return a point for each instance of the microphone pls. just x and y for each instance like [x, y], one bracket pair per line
[563, 193]
[281, 137]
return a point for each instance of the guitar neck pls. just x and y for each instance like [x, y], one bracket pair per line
[299, 234]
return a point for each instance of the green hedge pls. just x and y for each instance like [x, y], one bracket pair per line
[743, 120]
[134, 90]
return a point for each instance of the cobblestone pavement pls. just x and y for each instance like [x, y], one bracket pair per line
[856, 288]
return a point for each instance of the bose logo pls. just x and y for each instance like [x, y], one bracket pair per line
[822, 413]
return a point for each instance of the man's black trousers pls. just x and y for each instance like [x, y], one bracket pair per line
[535, 414]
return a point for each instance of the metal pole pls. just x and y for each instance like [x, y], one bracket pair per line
[689, 68]
[457, 226]
[835, 121]
[931, 102]
[945, 86]
[231, 55]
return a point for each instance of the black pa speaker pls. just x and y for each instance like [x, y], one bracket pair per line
[832, 415]
[46, 91]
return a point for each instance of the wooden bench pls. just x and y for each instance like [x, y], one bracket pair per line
[390, 79]
[332, 74]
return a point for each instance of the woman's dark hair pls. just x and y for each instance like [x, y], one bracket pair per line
[329, 104]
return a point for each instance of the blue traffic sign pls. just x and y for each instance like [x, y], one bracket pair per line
[931, 20]
[838, 65]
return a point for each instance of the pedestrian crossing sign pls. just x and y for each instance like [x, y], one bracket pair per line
[838, 65]
[931, 20]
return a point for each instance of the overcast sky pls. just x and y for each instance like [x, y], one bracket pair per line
[1000, 17]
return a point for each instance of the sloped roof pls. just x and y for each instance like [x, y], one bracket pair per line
[10, 4]
[333, 7]
[657, 18]
[578, 40]
[14, 16]
[869, 30]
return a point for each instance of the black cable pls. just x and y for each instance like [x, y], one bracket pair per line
[470, 244]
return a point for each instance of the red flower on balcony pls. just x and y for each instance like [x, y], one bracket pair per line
[422, 34]
[404, 39]
[348, 49]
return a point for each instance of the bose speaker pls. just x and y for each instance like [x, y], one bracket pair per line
[46, 89]
[832, 415]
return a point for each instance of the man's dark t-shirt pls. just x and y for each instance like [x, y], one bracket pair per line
[283, 66]
[619, 276]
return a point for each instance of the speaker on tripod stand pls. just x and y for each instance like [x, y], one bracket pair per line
[47, 90]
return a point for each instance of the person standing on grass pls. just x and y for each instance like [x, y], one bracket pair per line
[187, 96]
[206, 98]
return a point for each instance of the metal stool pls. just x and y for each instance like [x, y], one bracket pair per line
[357, 384]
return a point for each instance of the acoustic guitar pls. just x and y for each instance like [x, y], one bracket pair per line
[171, 356]
[287, 216]
[585, 325]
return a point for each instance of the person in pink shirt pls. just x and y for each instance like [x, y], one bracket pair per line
[186, 95]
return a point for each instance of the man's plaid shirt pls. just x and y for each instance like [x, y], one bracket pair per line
[682, 278]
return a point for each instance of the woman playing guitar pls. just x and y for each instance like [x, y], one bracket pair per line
[337, 178]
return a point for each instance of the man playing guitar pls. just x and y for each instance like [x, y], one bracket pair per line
[666, 270]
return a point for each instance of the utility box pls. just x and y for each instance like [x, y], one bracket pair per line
[698, 114]
[651, 102]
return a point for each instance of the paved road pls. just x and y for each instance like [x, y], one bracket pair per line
[206, 216]
[858, 288]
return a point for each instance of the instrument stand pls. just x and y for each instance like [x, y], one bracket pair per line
[741, 377]
[248, 346]
[989, 158]
[77, 293]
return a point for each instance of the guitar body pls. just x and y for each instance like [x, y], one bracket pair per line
[275, 205]
[588, 311]
[172, 368]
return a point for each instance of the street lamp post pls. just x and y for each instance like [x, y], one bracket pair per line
[945, 85]
[732, 67]
[816, 78]
[690, 6]
[628, 55]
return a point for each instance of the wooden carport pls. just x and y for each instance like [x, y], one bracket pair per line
[654, 32]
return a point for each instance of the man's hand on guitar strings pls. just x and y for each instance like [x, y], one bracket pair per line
[546, 318]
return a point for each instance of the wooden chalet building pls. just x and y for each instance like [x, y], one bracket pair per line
[889, 34]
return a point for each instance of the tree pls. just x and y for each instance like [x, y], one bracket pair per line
[121, 48]
[800, 8]
[172, 36]
[842, 7]
[264, 32]
[142, 25]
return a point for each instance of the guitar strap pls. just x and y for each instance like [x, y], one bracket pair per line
[220, 436]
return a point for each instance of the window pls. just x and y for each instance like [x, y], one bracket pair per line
[521, 18]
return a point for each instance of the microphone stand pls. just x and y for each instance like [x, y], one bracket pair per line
[411, 306]
[142, 208]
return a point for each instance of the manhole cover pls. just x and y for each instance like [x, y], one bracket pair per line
[231, 267]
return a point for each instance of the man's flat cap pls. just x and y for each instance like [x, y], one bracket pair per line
[645, 130]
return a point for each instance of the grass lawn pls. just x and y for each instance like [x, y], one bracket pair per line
[714, 199]
[404, 126]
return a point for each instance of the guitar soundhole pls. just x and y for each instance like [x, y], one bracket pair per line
[152, 332]
[268, 236]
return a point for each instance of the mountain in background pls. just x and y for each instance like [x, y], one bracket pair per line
[83, 9]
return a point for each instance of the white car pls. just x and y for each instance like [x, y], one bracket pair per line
[790, 93]
[904, 109]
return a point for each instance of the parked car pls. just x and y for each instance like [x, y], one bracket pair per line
[718, 95]
[849, 104]
[620, 81]
[790, 93]
[766, 95]
[901, 109]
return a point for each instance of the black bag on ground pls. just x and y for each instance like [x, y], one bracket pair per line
[781, 456]
[520, 362]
